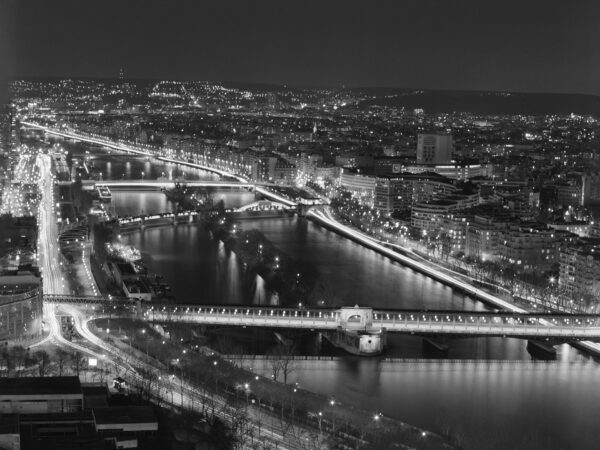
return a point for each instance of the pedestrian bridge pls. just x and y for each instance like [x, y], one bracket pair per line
[450, 323]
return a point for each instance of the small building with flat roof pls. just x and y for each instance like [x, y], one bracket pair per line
[31, 395]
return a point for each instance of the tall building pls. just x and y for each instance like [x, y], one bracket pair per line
[434, 149]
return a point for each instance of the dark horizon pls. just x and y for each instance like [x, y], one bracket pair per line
[510, 46]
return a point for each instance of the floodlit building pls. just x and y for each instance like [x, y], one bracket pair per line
[398, 192]
[361, 186]
[427, 216]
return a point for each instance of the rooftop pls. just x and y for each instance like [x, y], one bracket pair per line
[40, 386]
[124, 415]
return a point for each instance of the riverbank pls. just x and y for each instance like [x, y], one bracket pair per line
[403, 258]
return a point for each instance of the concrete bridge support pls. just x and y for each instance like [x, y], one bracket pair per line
[542, 349]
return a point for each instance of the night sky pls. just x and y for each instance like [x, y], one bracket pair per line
[525, 45]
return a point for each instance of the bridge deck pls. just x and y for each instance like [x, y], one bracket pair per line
[562, 326]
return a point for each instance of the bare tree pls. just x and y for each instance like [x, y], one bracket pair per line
[77, 362]
[43, 360]
[7, 360]
[282, 361]
[62, 360]
[19, 356]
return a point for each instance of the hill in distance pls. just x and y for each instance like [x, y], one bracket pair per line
[484, 103]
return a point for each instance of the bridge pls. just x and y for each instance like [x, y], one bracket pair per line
[100, 140]
[165, 184]
[263, 205]
[562, 327]
[167, 218]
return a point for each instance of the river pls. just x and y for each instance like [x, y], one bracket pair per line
[491, 404]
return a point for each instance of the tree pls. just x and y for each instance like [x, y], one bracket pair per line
[19, 356]
[77, 362]
[6, 358]
[43, 361]
[62, 360]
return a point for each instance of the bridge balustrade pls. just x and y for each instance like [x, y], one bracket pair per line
[488, 319]
[246, 315]
[574, 326]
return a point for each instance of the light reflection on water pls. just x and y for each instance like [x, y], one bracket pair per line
[496, 405]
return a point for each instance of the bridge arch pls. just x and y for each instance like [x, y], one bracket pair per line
[355, 318]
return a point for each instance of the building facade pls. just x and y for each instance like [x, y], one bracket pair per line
[20, 307]
[394, 193]
[434, 149]
[579, 271]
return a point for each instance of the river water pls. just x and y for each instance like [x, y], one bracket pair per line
[491, 404]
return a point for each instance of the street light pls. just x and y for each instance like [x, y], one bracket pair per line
[247, 391]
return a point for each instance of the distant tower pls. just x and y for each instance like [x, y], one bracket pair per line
[121, 74]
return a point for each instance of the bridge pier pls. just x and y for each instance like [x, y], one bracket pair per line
[541, 349]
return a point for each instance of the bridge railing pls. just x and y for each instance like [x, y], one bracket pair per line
[243, 311]
[165, 215]
[88, 299]
[384, 318]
